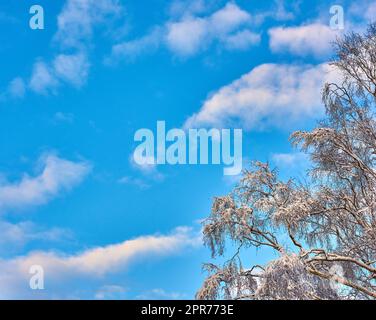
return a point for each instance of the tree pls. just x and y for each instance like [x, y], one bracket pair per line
[324, 230]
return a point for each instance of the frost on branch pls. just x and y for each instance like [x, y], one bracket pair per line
[286, 278]
[326, 224]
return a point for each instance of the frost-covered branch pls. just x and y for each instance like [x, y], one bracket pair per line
[323, 233]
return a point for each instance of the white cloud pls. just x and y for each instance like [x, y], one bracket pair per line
[131, 49]
[17, 88]
[269, 95]
[42, 79]
[15, 236]
[57, 175]
[69, 68]
[195, 26]
[76, 25]
[77, 20]
[242, 40]
[370, 13]
[313, 39]
[191, 32]
[93, 263]
[72, 68]
[280, 13]
[228, 19]
[188, 36]
[363, 9]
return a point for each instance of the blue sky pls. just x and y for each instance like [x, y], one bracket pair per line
[72, 96]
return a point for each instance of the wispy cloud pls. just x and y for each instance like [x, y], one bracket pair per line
[76, 24]
[43, 80]
[269, 95]
[312, 39]
[14, 236]
[178, 8]
[79, 18]
[129, 50]
[70, 64]
[57, 175]
[63, 117]
[17, 88]
[93, 263]
[146, 173]
[6, 18]
[146, 166]
[72, 69]
[363, 9]
[241, 40]
[138, 182]
[191, 32]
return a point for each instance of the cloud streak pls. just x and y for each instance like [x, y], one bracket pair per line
[57, 175]
[93, 263]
